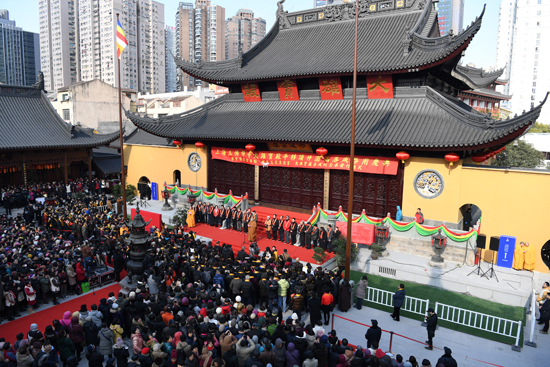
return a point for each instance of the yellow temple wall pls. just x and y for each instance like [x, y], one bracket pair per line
[512, 202]
[159, 163]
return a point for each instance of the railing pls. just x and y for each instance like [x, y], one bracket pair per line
[385, 298]
[480, 321]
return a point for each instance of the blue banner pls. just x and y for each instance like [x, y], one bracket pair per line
[154, 191]
[506, 249]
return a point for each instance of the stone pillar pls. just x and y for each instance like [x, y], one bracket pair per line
[326, 189]
[257, 185]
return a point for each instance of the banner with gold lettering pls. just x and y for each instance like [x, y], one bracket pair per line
[380, 86]
[251, 92]
[288, 90]
[377, 165]
[331, 88]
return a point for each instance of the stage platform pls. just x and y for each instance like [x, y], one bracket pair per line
[512, 288]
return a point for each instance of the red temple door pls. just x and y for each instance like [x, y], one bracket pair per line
[296, 187]
[227, 176]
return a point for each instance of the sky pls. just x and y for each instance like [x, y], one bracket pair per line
[481, 52]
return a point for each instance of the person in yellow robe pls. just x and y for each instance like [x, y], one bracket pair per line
[529, 257]
[252, 229]
[191, 218]
[518, 257]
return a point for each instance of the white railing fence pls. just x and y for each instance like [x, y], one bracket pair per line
[480, 321]
[385, 298]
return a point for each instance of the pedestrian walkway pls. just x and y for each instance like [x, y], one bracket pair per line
[468, 350]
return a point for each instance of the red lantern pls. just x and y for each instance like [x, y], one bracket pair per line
[451, 158]
[403, 156]
[322, 151]
[479, 158]
[250, 147]
[177, 142]
[199, 145]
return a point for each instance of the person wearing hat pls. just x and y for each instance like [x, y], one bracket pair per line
[373, 335]
[431, 321]
[95, 359]
[447, 359]
[426, 363]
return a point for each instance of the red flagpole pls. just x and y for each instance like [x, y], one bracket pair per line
[122, 175]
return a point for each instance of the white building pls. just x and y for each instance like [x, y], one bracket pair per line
[450, 16]
[151, 48]
[59, 53]
[171, 69]
[523, 46]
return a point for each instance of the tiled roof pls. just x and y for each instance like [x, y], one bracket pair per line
[423, 120]
[489, 93]
[108, 165]
[389, 41]
[475, 78]
[140, 137]
[29, 121]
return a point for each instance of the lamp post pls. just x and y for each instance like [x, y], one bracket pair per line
[166, 195]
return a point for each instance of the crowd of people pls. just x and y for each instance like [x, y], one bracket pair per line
[197, 304]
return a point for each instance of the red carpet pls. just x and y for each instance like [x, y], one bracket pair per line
[9, 330]
[237, 239]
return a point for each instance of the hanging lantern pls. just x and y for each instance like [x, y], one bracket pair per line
[479, 158]
[403, 156]
[199, 145]
[177, 142]
[250, 147]
[322, 151]
[451, 158]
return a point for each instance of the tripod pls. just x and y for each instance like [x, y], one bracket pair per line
[478, 270]
[492, 271]
[143, 202]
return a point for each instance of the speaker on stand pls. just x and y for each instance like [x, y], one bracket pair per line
[481, 243]
[493, 246]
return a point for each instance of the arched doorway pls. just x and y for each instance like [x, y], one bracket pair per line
[469, 213]
[545, 253]
[143, 188]
[177, 177]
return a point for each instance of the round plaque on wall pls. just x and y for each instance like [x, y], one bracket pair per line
[194, 162]
[429, 183]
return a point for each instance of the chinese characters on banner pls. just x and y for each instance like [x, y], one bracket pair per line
[380, 86]
[331, 88]
[288, 90]
[377, 165]
[251, 92]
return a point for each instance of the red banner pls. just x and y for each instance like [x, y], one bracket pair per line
[380, 86]
[331, 88]
[251, 92]
[288, 90]
[362, 233]
[377, 165]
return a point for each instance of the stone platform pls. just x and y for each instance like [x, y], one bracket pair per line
[423, 247]
[512, 288]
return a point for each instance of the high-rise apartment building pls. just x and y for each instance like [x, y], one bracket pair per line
[151, 47]
[242, 31]
[19, 53]
[171, 75]
[450, 16]
[200, 35]
[59, 49]
[523, 34]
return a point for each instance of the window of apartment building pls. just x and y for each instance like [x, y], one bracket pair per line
[66, 114]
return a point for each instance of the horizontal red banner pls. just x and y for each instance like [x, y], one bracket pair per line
[378, 165]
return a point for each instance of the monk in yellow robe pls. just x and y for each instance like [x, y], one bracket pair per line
[191, 218]
[252, 230]
[529, 256]
[518, 257]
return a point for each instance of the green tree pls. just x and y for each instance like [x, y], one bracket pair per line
[522, 155]
[130, 192]
[540, 128]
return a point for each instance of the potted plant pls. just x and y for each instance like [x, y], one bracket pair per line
[376, 251]
[339, 247]
[319, 255]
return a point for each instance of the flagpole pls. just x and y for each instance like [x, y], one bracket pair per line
[123, 177]
[352, 145]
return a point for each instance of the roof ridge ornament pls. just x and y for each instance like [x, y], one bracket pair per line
[284, 23]
[39, 85]
[346, 11]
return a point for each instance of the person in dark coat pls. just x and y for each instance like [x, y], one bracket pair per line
[321, 353]
[121, 353]
[467, 220]
[95, 359]
[118, 263]
[545, 314]
[90, 331]
[333, 356]
[431, 320]
[344, 296]
[314, 305]
[447, 359]
[373, 335]
[398, 300]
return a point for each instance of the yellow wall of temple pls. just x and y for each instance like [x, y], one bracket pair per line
[159, 163]
[512, 202]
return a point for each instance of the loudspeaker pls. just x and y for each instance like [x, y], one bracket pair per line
[493, 245]
[481, 241]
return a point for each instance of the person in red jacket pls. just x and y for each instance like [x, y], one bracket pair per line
[286, 227]
[80, 274]
[419, 216]
[326, 304]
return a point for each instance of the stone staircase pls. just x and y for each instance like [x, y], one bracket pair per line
[423, 248]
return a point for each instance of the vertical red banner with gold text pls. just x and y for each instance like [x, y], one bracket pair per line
[380, 86]
[331, 88]
[288, 90]
[251, 92]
